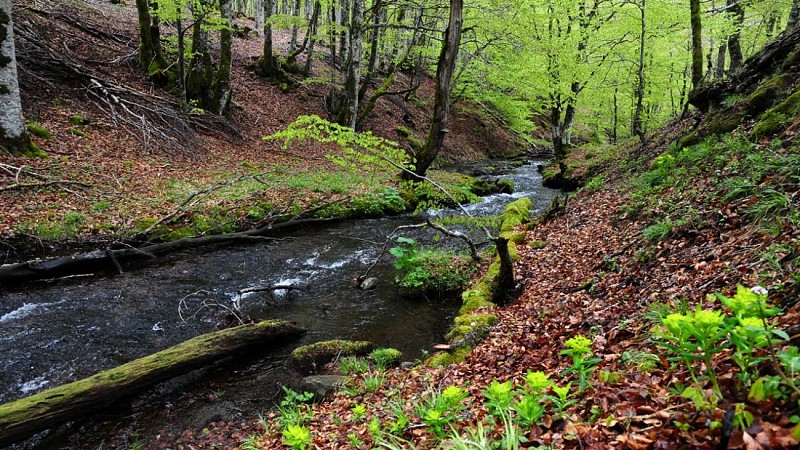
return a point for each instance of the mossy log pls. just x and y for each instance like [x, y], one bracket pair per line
[24, 417]
[109, 260]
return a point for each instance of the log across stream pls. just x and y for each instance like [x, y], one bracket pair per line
[56, 332]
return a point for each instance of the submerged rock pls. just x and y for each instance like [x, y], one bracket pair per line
[369, 283]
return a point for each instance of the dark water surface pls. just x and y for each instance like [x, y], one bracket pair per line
[55, 332]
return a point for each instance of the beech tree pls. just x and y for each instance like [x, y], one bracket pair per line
[13, 136]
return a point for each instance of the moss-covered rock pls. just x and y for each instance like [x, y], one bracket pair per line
[766, 94]
[309, 358]
[39, 130]
[537, 245]
[689, 139]
[779, 117]
[471, 327]
[725, 122]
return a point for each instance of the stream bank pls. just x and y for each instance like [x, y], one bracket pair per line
[69, 329]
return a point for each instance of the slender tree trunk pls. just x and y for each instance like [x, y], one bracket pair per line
[13, 136]
[349, 112]
[200, 75]
[312, 37]
[373, 51]
[344, 19]
[146, 50]
[638, 125]
[266, 63]
[615, 125]
[181, 33]
[222, 84]
[441, 107]
[794, 18]
[258, 15]
[734, 40]
[697, 43]
[719, 69]
[293, 40]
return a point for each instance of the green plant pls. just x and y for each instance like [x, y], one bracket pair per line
[385, 357]
[355, 442]
[373, 382]
[296, 436]
[594, 184]
[561, 400]
[39, 130]
[640, 360]
[579, 348]
[353, 365]
[430, 270]
[294, 408]
[441, 409]
[358, 411]
[498, 397]
[658, 231]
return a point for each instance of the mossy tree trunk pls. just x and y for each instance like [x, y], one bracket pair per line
[266, 64]
[27, 416]
[348, 113]
[793, 23]
[312, 37]
[441, 103]
[200, 74]
[377, 9]
[697, 42]
[223, 92]
[734, 39]
[638, 121]
[13, 136]
[151, 55]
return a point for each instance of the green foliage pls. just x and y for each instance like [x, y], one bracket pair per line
[357, 150]
[353, 365]
[498, 396]
[385, 357]
[439, 410]
[694, 337]
[294, 409]
[430, 270]
[297, 437]
[579, 348]
[37, 129]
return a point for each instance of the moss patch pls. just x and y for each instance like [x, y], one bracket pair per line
[37, 129]
[309, 358]
[779, 117]
[766, 94]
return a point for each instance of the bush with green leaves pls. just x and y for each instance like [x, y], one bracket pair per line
[439, 411]
[695, 337]
[385, 357]
[429, 270]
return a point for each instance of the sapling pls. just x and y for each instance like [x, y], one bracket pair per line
[583, 363]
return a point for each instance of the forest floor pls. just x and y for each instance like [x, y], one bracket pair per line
[596, 268]
[110, 176]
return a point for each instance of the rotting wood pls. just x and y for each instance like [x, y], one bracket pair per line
[24, 417]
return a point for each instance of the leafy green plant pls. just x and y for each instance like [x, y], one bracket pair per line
[658, 231]
[297, 437]
[579, 348]
[353, 365]
[498, 397]
[294, 408]
[373, 382]
[385, 357]
[358, 411]
[440, 410]
[561, 400]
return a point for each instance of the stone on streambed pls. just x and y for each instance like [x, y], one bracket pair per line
[369, 283]
[322, 385]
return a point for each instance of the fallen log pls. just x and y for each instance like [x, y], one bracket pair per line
[25, 417]
[109, 260]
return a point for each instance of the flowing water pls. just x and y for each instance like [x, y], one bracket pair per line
[60, 331]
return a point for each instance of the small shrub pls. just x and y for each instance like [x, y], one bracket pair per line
[385, 357]
[353, 365]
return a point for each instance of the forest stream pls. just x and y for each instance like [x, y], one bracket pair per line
[56, 332]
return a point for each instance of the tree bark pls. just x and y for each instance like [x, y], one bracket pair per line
[266, 64]
[697, 42]
[22, 418]
[349, 112]
[293, 39]
[13, 135]
[312, 37]
[222, 83]
[441, 107]
[735, 38]
[377, 8]
[794, 18]
[638, 122]
[200, 74]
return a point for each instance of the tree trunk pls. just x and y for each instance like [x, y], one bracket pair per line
[222, 83]
[697, 43]
[719, 69]
[312, 37]
[200, 74]
[349, 112]
[373, 51]
[344, 19]
[266, 64]
[441, 107]
[734, 40]
[794, 18]
[258, 15]
[293, 40]
[638, 123]
[13, 136]
[27, 416]
[506, 284]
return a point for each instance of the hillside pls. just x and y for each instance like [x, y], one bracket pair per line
[631, 263]
[113, 167]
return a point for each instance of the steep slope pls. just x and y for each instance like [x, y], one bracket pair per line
[627, 263]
